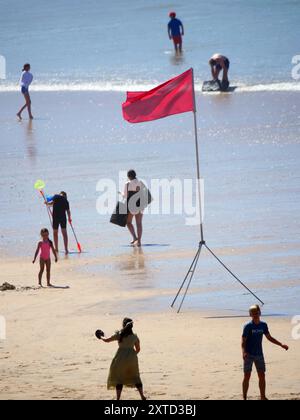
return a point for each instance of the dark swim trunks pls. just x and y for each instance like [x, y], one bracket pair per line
[226, 62]
[24, 90]
[60, 207]
[62, 222]
[258, 361]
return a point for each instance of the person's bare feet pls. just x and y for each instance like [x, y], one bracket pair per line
[50, 285]
[19, 116]
[133, 242]
[138, 243]
[31, 117]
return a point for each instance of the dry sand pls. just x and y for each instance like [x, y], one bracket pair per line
[51, 351]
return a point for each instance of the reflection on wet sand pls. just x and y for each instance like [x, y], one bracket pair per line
[177, 59]
[30, 141]
[135, 261]
[133, 266]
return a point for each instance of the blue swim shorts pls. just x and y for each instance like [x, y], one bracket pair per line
[259, 362]
[24, 90]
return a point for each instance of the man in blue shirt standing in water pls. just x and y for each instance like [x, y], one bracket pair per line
[253, 352]
[176, 32]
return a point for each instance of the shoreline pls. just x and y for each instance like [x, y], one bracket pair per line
[109, 87]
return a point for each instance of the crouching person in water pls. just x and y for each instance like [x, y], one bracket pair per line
[217, 64]
[124, 369]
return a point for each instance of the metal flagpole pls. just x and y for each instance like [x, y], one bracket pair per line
[190, 274]
[198, 163]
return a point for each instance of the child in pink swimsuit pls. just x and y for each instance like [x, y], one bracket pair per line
[44, 248]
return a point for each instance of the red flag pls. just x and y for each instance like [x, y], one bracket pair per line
[173, 97]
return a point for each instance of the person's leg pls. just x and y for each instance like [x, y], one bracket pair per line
[175, 45]
[119, 389]
[48, 268]
[66, 239]
[28, 104]
[55, 236]
[42, 267]
[225, 75]
[262, 385]
[225, 72]
[19, 114]
[180, 46]
[139, 387]
[217, 73]
[139, 225]
[130, 227]
[261, 372]
[246, 382]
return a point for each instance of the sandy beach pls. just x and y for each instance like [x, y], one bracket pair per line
[51, 351]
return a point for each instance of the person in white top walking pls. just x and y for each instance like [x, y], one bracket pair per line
[25, 82]
[132, 187]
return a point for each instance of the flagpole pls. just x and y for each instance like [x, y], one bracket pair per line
[190, 274]
[198, 162]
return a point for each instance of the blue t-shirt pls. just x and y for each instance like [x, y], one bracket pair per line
[254, 334]
[174, 26]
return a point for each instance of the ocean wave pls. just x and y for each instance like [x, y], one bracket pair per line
[118, 87]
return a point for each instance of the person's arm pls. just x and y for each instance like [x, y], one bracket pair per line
[276, 342]
[244, 352]
[49, 201]
[109, 339]
[67, 209]
[169, 31]
[213, 70]
[36, 252]
[69, 216]
[125, 193]
[182, 29]
[54, 252]
[137, 346]
[224, 68]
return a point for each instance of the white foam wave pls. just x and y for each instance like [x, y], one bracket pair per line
[118, 87]
[272, 87]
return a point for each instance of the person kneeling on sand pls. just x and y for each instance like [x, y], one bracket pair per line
[253, 352]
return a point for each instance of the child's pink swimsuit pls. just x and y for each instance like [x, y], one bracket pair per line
[45, 251]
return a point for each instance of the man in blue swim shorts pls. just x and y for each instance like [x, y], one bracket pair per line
[253, 351]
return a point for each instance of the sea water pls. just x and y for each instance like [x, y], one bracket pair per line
[84, 56]
[117, 44]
